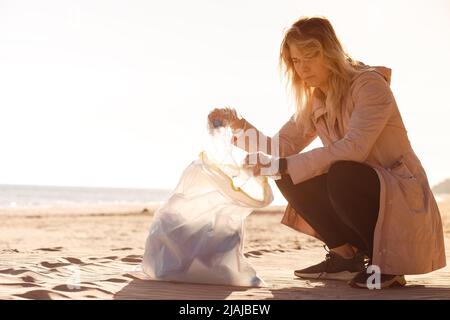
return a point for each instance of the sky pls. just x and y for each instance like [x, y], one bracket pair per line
[116, 93]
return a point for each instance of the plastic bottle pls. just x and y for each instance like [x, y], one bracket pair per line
[222, 134]
[226, 154]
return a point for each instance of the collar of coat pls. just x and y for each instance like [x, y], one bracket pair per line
[319, 98]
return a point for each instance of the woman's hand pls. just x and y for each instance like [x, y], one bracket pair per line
[261, 164]
[225, 117]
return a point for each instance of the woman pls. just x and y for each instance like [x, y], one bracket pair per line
[365, 192]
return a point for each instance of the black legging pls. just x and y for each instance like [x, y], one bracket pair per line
[341, 205]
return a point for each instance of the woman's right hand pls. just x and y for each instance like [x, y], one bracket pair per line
[225, 117]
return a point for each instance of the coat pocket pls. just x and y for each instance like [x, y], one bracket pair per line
[411, 188]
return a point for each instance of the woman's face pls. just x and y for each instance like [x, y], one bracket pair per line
[310, 68]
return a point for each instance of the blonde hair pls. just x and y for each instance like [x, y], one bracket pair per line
[315, 35]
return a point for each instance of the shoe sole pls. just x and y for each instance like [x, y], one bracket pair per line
[343, 276]
[398, 281]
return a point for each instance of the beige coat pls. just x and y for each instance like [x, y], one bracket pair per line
[408, 235]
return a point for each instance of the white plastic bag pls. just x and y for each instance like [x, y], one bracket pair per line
[197, 235]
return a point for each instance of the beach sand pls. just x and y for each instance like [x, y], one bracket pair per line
[45, 255]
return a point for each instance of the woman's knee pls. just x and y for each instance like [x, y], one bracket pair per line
[345, 169]
[338, 171]
[347, 177]
[343, 166]
[285, 183]
[340, 175]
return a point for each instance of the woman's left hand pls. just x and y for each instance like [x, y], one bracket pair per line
[261, 164]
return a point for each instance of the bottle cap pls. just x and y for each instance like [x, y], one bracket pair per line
[217, 123]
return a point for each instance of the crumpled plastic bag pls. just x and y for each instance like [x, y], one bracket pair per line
[197, 235]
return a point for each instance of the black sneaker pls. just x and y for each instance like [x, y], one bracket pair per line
[335, 267]
[361, 280]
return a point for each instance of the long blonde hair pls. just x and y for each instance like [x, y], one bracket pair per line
[315, 35]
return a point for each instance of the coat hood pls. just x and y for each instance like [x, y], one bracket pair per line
[384, 71]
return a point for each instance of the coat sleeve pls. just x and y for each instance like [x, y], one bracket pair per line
[373, 106]
[290, 139]
[293, 138]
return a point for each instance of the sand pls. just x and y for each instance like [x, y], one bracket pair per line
[48, 255]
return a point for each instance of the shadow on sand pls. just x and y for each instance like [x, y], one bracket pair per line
[308, 290]
[150, 289]
[336, 290]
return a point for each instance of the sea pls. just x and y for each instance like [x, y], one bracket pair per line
[39, 197]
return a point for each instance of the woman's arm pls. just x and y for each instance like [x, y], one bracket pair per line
[289, 140]
[374, 105]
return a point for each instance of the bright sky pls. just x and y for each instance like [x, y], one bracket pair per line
[116, 93]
